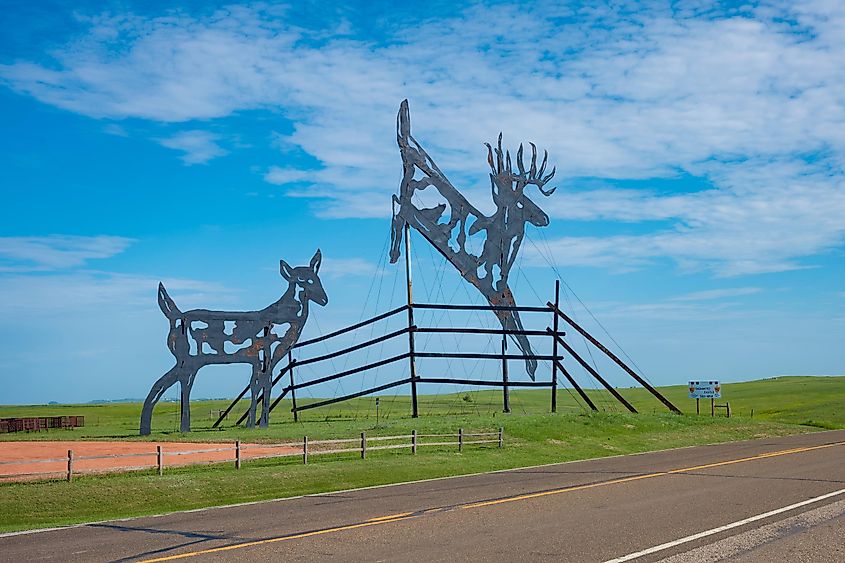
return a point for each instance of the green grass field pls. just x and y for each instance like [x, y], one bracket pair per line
[533, 436]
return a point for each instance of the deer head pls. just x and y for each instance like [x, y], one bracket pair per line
[306, 279]
[508, 186]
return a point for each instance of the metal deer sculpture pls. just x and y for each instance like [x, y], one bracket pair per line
[448, 232]
[200, 337]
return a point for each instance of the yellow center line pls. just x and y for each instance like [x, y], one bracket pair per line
[390, 517]
[646, 476]
[274, 540]
[408, 515]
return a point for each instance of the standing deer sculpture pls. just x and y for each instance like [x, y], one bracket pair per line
[449, 233]
[200, 337]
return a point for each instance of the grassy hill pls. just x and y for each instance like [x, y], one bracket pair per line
[781, 406]
[809, 401]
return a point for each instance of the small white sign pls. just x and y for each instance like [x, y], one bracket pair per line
[705, 390]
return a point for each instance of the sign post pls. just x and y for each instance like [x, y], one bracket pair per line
[705, 390]
[377, 401]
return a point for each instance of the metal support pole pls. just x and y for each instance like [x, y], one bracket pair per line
[697, 407]
[292, 390]
[363, 445]
[501, 436]
[577, 387]
[69, 466]
[506, 395]
[595, 374]
[617, 361]
[414, 442]
[305, 450]
[712, 407]
[555, 323]
[460, 440]
[237, 454]
[159, 461]
[413, 367]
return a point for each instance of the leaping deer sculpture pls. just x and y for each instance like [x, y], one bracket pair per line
[449, 233]
[200, 337]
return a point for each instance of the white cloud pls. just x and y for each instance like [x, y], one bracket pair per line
[198, 147]
[58, 295]
[711, 294]
[280, 176]
[752, 100]
[334, 268]
[115, 129]
[56, 252]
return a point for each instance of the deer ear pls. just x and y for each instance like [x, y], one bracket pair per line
[285, 270]
[316, 261]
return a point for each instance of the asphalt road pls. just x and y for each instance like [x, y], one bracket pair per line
[763, 500]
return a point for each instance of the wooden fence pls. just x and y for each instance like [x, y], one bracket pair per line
[303, 449]
[38, 423]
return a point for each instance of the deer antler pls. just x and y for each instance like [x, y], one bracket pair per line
[533, 176]
[536, 176]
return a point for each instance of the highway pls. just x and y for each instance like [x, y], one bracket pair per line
[760, 500]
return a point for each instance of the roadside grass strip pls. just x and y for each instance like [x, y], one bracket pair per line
[390, 519]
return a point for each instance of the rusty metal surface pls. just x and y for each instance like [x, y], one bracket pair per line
[451, 224]
[201, 337]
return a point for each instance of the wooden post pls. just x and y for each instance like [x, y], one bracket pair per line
[305, 450]
[728, 405]
[411, 349]
[159, 461]
[292, 390]
[414, 442]
[555, 325]
[506, 395]
[697, 407]
[460, 439]
[237, 454]
[69, 466]
[501, 436]
[712, 407]
[363, 445]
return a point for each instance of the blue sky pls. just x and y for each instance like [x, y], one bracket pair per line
[699, 150]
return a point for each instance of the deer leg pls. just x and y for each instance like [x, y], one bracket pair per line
[253, 390]
[187, 382]
[164, 383]
[265, 400]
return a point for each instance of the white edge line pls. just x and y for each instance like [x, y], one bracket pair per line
[730, 526]
[386, 485]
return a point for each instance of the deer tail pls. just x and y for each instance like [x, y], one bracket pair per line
[403, 124]
[167, 305]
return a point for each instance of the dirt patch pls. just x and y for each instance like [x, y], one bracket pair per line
[20, 460]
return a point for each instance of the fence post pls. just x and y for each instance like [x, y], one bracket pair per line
[363, 445]
[501, 435]
[159, 461]
[411, 346]
[727, 404]
[555, 326]
[237, 454]
[305, 450]
[506, 396]
[292, 390]
[460, 439]
[69, 466]
[414, 442]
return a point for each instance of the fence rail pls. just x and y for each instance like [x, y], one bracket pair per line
[303, 448]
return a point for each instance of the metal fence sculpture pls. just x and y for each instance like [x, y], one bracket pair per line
[450, 232]
[488, 271]
[200, 337]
